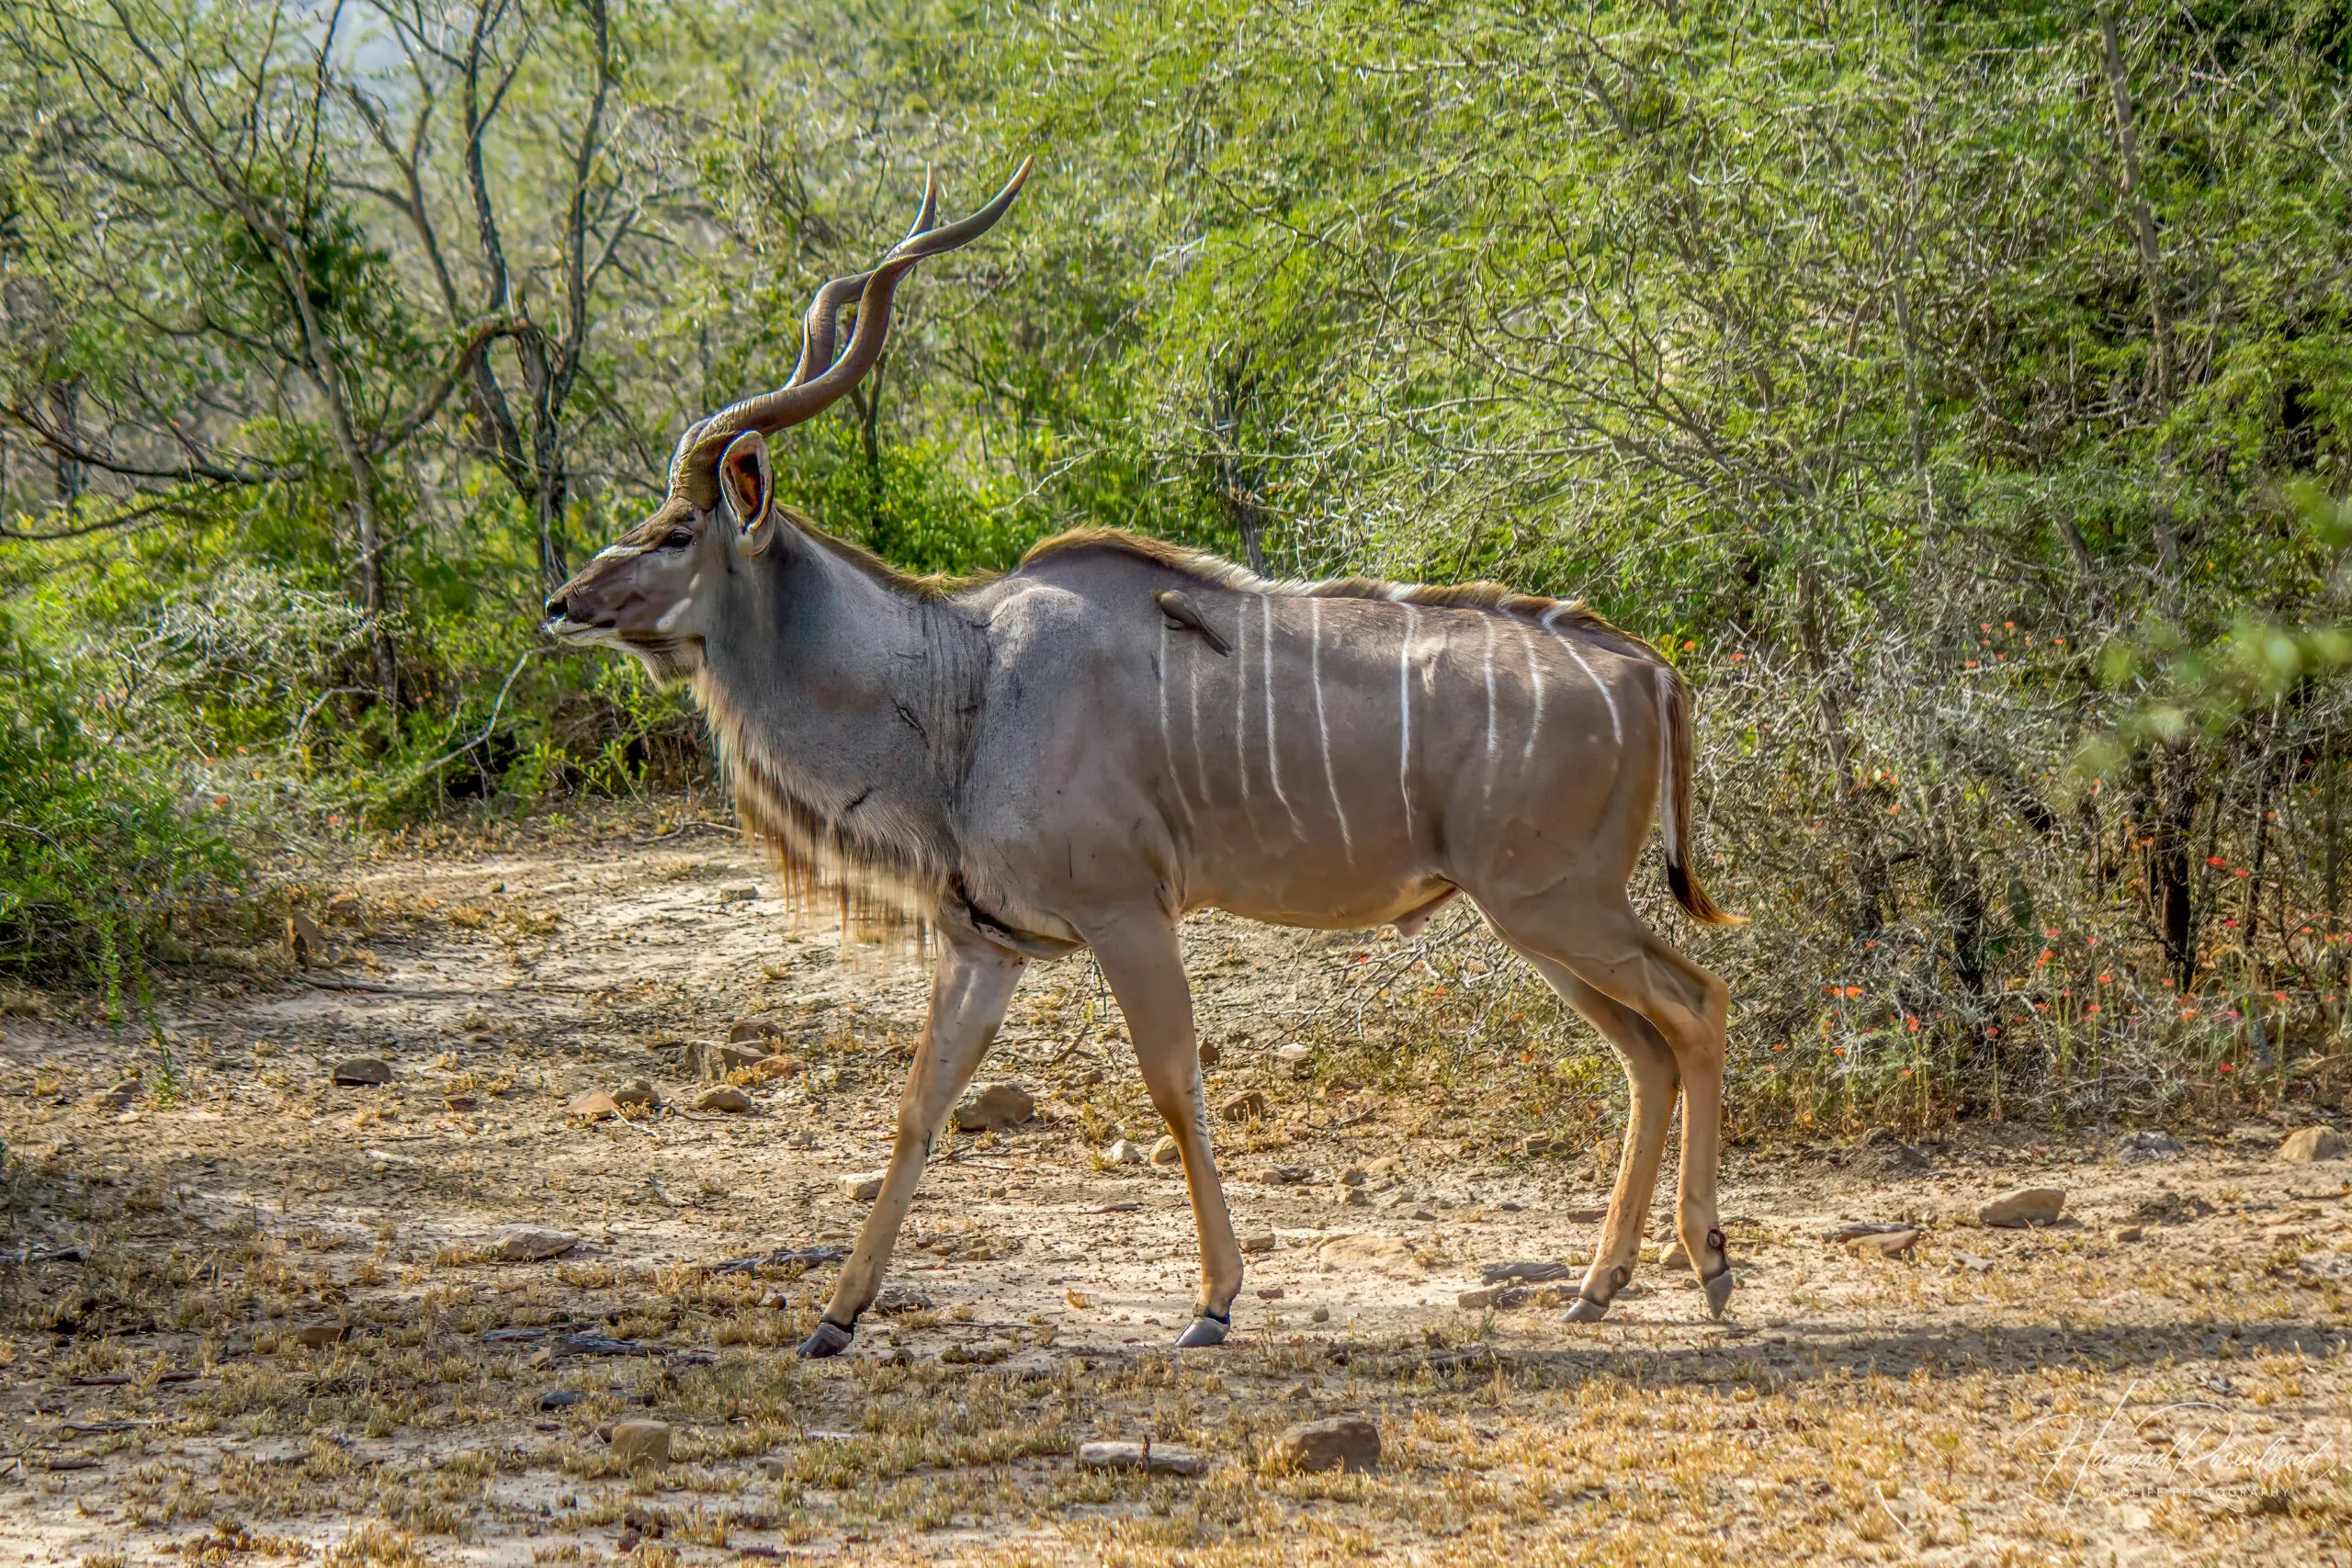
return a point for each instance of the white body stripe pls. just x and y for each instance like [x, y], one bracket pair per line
[1487, 782]
[1322, 725]
[1405, 719]
[1616, 726]
[1535, 685]
[1167, 745]
[1666, 766]
[1193, 689]
[1266, 665]
[1241, 705]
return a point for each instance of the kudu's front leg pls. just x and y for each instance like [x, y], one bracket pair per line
[969, 990]
[1141, 961]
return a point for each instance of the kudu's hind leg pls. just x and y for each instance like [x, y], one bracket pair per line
[1145, 971]
[1650, 1076]
[1610, 949]
[969, 990]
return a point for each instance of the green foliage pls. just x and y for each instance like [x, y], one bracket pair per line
[96, 849]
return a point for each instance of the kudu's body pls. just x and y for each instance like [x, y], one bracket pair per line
[1078, 753]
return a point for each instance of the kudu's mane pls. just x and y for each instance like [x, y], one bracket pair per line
[1559, 616]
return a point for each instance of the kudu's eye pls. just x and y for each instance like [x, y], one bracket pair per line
[677, 539]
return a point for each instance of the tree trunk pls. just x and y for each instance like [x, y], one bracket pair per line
[326, 374]
[2144, 220]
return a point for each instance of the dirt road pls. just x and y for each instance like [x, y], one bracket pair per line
[2159, 1376]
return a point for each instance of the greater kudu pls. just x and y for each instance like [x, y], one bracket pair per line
[1078, 753]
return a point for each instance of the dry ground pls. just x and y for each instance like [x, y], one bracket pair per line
[2070, 1395]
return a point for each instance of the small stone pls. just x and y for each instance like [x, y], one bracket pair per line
[2312, 1145]
[1211, 1054]
[529, 1244]
[462, 1103]
[2026, 1206]
[319, 1335]
[1157, 1459]
[637, 1094]
[1675, 1256]
[1336, 1442]
[642, 1440]
[2145, 1145]
[593, 1106]
[1248, 1105]
[753, 1031]
[368, 1070]
[562, 1398]
[1498, 1297]
[1288, 1175]
[1525, 1270]
[1294, 1057]
[1971, 1261]
[994, 1107]
[1351, 1197]
[861, 1187]
[1124, 1151]
[1165, 1152]
[476, 1022]
[1885, 1244]
[719, 1061]
[725, 1097]
[1256, 1246]
[2131, 1233]
[1354, 1176]
[1320, 1315]
[1273, 1293]
[304, 941]
[742, 895]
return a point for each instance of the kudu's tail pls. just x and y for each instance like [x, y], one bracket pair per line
[1675, 800]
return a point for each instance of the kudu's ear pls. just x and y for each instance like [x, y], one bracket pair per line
[747, 485]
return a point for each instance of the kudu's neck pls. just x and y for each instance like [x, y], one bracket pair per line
[842, 704]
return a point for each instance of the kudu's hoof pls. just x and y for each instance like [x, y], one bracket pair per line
[830, 1339]
[1719, 1290]
[1583, 1309]
[1202, 1330]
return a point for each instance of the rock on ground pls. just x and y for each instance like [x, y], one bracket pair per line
[2313, 1144]
[1885, 1244]
[1336, 1442]
[1160, 1459]
[646, 1441]
[1165, 1152]
[726, 1097]
[2026, 1206]
[593, 1106]
[993, 1107]
[1124, 1151]
[304, 941]
[1247, 1105]
[860, 1186]
[2147, 1144]
[529, 1244]
[635, 1092]
[362, 1070]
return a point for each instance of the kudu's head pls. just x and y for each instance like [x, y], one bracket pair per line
[663, 588]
